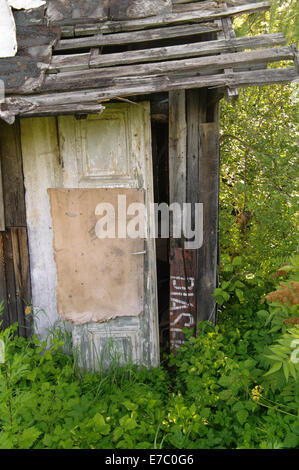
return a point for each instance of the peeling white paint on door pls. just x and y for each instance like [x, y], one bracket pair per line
[112, 150]
[8, 44]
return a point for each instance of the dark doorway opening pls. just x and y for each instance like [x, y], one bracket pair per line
[161, 195]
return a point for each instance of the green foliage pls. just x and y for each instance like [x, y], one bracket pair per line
[235, 385]
[217, 394]
[283, 16]
[258, 201]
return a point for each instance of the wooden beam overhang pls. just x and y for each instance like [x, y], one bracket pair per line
[191, 45]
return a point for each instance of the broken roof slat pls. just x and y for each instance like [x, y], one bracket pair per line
[136, 36]
[50, 103]
[90, 77]
[187, 50]
[63, 63]
[96, 77]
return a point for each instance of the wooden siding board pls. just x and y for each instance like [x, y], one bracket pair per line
[208, 194]
[12, 175]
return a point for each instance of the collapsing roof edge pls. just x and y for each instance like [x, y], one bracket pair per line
[188, 45]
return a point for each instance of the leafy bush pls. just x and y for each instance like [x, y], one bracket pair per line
[217, 393]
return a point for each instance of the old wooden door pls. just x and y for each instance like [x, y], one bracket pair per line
[69, 164]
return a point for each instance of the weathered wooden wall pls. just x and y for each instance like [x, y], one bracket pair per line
[194, 178]
[15, 289]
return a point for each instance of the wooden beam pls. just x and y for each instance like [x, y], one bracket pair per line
[184, 50]
[12, 175]
[228, 33]
[209, 158]
[3, 287]
[135, 36]
[203, 187]
[15, 289]
[2, 213]
[191, 5]
[74, 62]
[177, 147]
[168, 19]
[79, 101]
[195, 6]
[92, 78]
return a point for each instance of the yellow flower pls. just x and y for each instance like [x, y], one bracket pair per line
[256, 393]
[28, 310]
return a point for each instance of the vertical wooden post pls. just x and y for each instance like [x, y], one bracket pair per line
[182, 282]
[203, 159]
[2, 214]
[194, 178]
[177, 147]
[15, 288]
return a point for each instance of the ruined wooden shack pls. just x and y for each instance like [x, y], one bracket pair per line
[109, 98]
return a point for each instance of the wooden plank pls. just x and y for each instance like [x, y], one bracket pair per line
[19, 299]
[184, 50]
[208, 195]
[2, 213]
[92, 78]
[182, 295]
[196, 110]
[25, 280]
[228, 33]
[69, 62]
[14, 256]
[11, 299]
[180, 7]
[176, 18]
[171, 19]
[77, 101]
[12, 175]
[135, 36]
[3, 290]
[191, 5]
[177, 147]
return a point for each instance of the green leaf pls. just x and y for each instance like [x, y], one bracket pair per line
[100, 425]
[242, 416]
[127, 422]
[28, 438]
[237, 261]
[225, 394]
[239, 294]
[130, 406]
[274, 368]
[286, 371]
[225, 381]
[292, 370]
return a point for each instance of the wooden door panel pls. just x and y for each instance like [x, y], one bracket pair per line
[109, 151]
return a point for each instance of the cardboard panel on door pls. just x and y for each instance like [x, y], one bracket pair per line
[97, 279]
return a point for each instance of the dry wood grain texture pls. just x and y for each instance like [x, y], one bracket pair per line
[12, 175]
[135, 36]
[2, 213]
[208, 195]
[87, 100]
[63, 63]
[3, 289]
[228, 33]
[15, 290]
